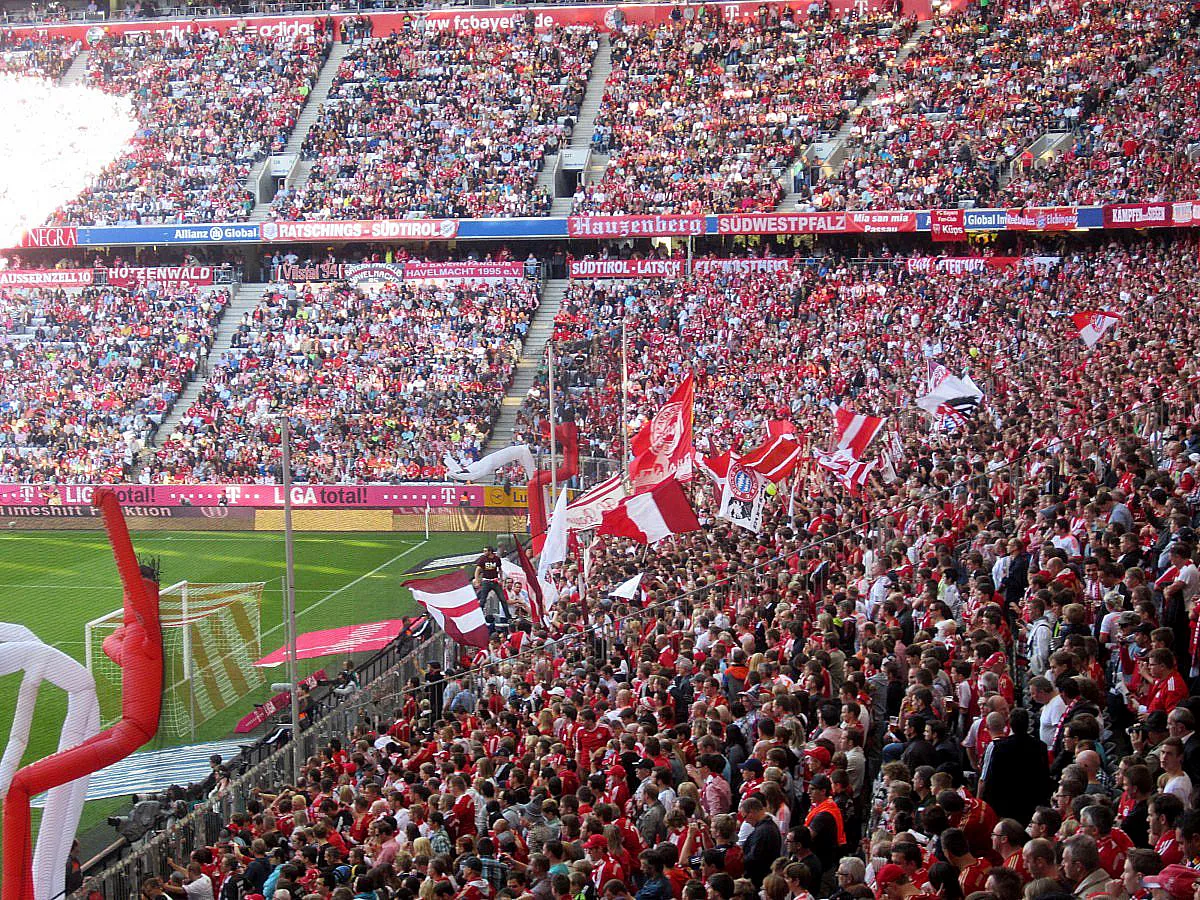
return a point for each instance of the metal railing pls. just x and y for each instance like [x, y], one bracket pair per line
[270, 765]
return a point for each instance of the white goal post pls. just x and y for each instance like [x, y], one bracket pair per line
[211, 637]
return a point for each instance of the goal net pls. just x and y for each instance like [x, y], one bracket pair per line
[211, 638]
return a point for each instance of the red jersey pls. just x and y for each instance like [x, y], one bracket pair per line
[1169, 850]
[1166, 693]
[973, 877]
[462, 817]
[1113, 847]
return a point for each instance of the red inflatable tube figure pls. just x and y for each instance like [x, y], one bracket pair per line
[566, 434]
[137, 648]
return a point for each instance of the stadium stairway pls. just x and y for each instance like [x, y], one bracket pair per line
[838, 151]
[581, 137]
[244, 299]
[540, 330]
[304, 123]
[77, 70]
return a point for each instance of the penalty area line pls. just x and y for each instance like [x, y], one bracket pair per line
[346, 587]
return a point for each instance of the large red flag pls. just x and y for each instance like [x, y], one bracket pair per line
[663, 448]
[855, 430]
[775, 458]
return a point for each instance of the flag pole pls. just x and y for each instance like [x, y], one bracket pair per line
[624, 402]
[553, 420]
[289, 598]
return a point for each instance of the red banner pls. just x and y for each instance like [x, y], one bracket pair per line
[634, 226]
[627, 268]
[1041, 218]
[50, 235]
[279, 703]
[218, 498]
[818, 223]
[167, 276]
[742, 266]
[124, 277]
[947, 225]
[378, 230]
[969, 265]
[465, 271]
[46, 277]
[600, 17]
[1148, 215]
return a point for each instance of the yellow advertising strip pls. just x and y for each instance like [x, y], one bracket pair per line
[325, 519]
[517, 497]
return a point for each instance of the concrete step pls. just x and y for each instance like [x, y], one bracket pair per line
[318, 95]
[77, 70]
[581, 137]
[244, 299]
[532, 359]
[546, 176]
[304, 123]
[838, 150]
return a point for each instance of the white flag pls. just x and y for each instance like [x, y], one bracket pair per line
[554, 550]
[743, 497]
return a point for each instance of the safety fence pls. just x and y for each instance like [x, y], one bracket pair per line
[270, 765]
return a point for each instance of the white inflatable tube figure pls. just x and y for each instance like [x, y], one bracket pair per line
[21, 651]
[460, 470]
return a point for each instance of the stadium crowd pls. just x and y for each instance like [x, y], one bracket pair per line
[86, 377]
[36, 54]
[210, 106]
[986, 83]
[700, 114]
[969, 681]
[380, 381]
[704, 114]
[441, 123]
[1136, 146]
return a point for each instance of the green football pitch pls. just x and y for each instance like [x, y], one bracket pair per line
[54, 582]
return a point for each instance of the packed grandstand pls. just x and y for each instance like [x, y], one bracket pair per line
[928, 271]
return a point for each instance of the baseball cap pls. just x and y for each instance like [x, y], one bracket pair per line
[752, 765]
[889, 873]
[1175, 880]
[1128, 619]
[595, 842]
[557, 692]
[821, 754]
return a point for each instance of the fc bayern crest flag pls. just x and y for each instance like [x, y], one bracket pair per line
[663, 448]
[743, 497]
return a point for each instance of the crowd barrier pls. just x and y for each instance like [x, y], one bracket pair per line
[383, 677]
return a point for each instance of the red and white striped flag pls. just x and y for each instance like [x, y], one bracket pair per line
[851, 472]
[856, 475]
[855, 431]
[533, 584]
[451, 601]
[774, 459]
[587, 510]
[1093, 323]
[649, 517]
